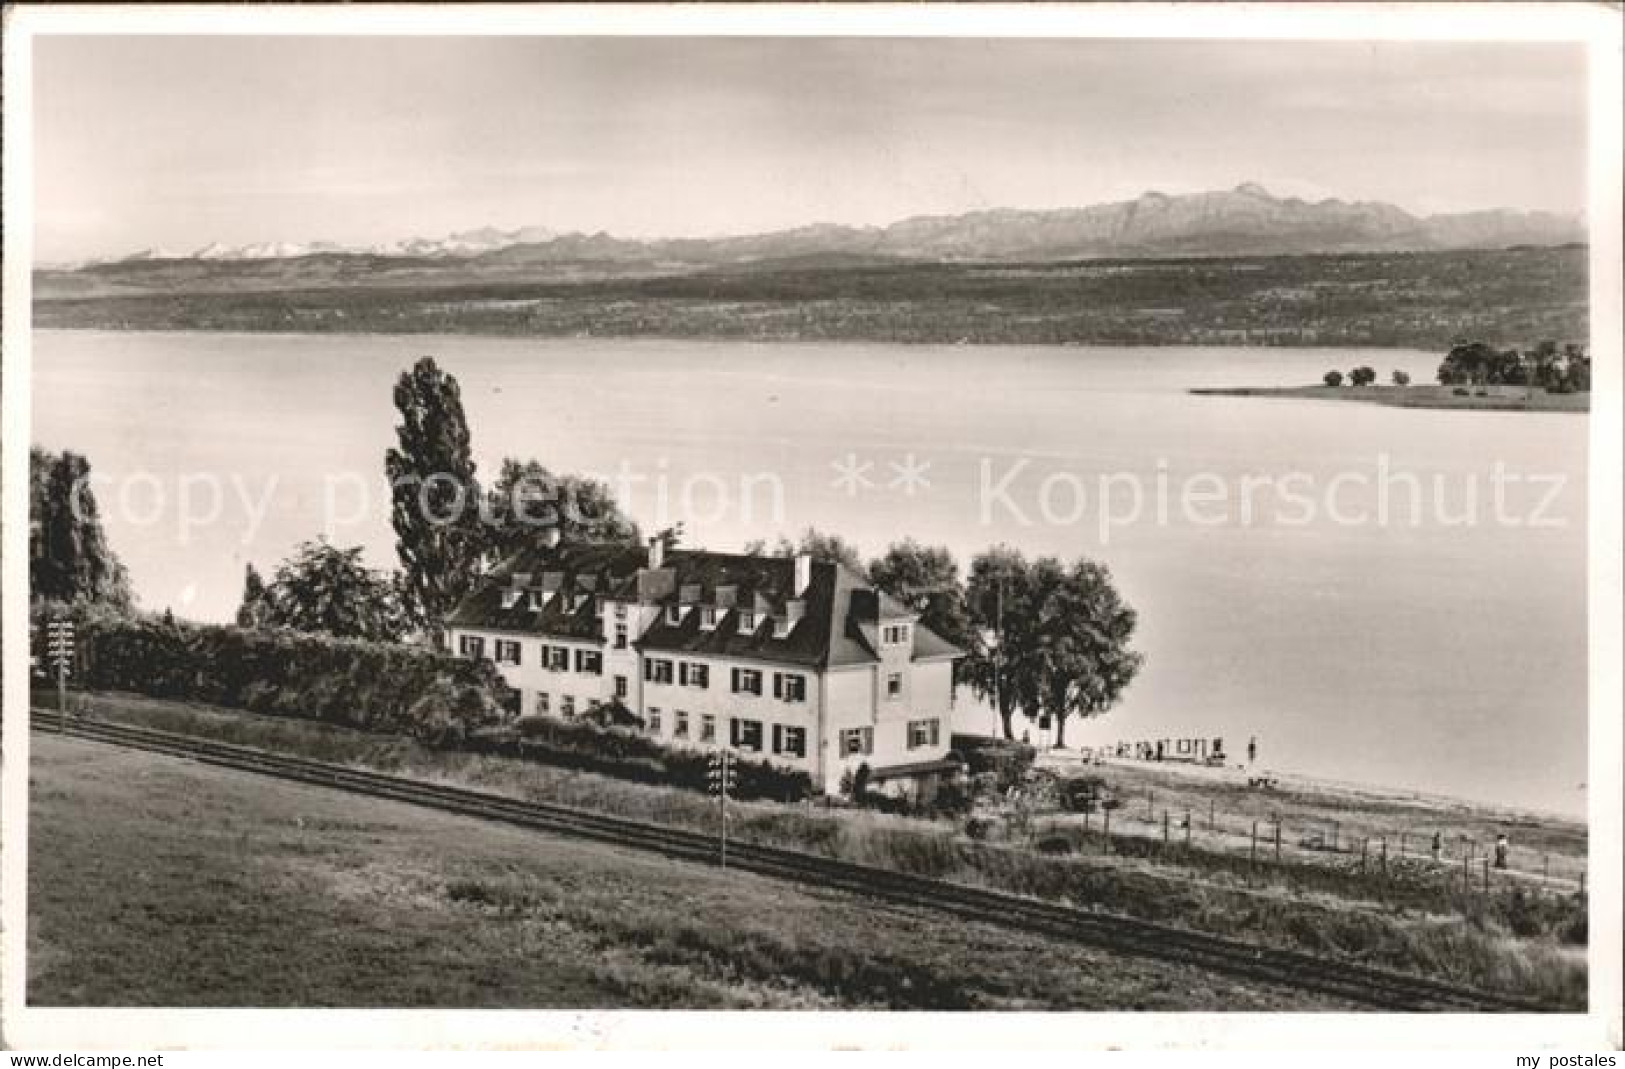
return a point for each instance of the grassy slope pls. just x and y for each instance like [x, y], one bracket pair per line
[160, 882]
[1419, 921]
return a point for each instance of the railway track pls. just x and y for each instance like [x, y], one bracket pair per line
[1346, 981]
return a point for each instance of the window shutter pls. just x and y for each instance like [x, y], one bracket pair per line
[648, 671]
[733, 731]
[682, 673]
[734, 680]
[778, 739]
[778, 684]
[936, 727]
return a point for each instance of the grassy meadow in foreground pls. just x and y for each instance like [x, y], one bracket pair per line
[154, 881]
[1529, 943]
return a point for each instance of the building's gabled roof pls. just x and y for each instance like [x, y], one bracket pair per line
[830, 617]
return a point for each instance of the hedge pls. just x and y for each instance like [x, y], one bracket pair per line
[372, 686]
[624, 754]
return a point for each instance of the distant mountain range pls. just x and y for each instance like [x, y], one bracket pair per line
[1246, 220]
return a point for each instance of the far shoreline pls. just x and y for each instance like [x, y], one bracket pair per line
[1426, 395]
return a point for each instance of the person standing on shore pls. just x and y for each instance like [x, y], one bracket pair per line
[1438, 845]
[1252, 750]
[1501, 845]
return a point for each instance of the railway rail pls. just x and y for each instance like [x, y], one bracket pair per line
[1341, 980]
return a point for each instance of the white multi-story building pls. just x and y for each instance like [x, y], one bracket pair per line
[791, 660]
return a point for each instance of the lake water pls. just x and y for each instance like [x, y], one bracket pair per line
[1441, 652]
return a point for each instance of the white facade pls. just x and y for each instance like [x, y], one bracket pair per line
[824, 721]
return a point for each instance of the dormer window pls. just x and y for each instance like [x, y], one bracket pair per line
[708, 617]
[510, 598]
[781, 626]
[747, 622]
[894, 634]
[674, 614]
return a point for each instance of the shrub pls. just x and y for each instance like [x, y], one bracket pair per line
[1402, 378]
[993, 764]
[368, 685]
[1332, 378]
[1080, 794]
[626, 754]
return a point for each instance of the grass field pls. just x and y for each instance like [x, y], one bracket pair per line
[154, 881]
[1419, 919]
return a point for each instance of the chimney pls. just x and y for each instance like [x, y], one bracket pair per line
[803, 574]
[657, 551]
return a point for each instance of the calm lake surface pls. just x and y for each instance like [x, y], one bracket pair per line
[1439, 647]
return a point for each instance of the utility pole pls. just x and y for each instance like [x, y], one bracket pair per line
[722, 776]
[59, 646]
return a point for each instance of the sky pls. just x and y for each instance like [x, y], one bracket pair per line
[176, 142]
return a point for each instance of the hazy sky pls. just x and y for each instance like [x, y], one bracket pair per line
[179, 141]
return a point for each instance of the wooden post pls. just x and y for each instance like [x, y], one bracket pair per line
[1165, 827]
[1545, 868]
[1252, 850]
[1106, 834]
[1187, 827]
[1150, 805]
[1210, 815]
[1086, 822]
[1334, 836]
[1277, 840]
[1582, 883]
[1486, 875]
[1401, 844]
[1385, 857]
[1365, 845]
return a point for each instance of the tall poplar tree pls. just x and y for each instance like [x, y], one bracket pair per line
[435, 497]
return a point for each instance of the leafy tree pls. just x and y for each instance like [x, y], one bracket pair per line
[1468, 363]
[1402, 378]
[251, 612]
[69, 557]
[830, 548]
[327, 590]
[1362, 376]
[435, 511]
[926, 579]
[528, 498]
[1081, 638]
[1333, 378]
[998, 667]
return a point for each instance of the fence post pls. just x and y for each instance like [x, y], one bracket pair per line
[1252, 850]
[1150, 805]
[1365, 846]
[1106, 835]
[1334, 837]
[1401, 844]
[1187, 827]
[1210, 816]
[1165, 827]
[1545, 867]
[1086, 822]
[1486, 875]
[1385, 857]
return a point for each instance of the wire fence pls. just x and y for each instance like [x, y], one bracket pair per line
[1290, 847]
